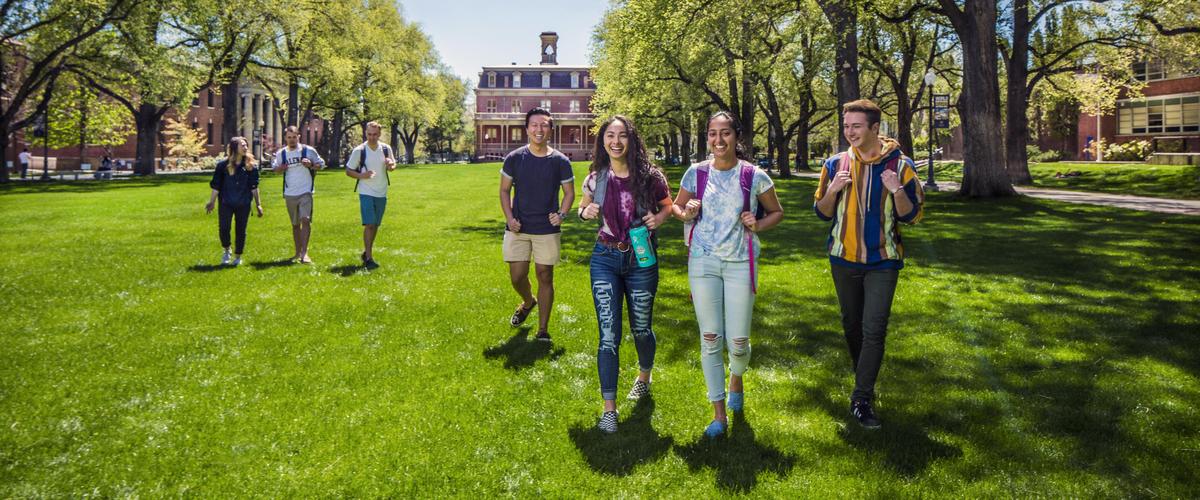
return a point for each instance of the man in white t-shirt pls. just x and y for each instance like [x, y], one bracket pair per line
[299, 165]
[369, 163]
[24, 159]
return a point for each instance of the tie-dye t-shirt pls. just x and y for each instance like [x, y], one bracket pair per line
[719, 231]
[618, 209]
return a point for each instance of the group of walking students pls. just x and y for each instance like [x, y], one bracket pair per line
[235, 184]
[724, 203]
[865, 192]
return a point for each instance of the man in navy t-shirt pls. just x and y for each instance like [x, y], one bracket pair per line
[534, 215]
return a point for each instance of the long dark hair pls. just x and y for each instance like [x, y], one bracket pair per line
[738, 150]
[642, 173]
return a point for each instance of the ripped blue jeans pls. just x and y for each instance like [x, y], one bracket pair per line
[617, 279]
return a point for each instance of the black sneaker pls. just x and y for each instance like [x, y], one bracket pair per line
[862, 411]
[543, 336]
[371, 264]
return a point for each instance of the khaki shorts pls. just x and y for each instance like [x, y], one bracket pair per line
[540, 248]
[299, 207]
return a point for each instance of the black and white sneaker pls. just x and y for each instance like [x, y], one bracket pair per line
[639, 390]
[864, 413]
[542, 336]
[608, 422]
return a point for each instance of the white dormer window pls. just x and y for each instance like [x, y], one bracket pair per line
[517, 80]
[546, 80]
[491, 79]
[575, 106]
[546, 104]
[575, 80]
[516, 106]
[587, 81]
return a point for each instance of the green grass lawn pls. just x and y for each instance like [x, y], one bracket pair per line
[1160, 181]
[1036, 348]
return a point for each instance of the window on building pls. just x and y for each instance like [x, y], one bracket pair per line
[196, 101]
[1158, 116]
[195, 124]
[491, 79]
[587, 81]
[209, 140]
[491, 106]
[546, 104]
[546, 80]
[517, 80]
[574, 80]
[575, 106]
[210, 98]
[506, 84]
[514, 135]
[516, 106]
[1148, 71]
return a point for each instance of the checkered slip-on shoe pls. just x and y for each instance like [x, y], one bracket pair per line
[639, 390]
[608, 422]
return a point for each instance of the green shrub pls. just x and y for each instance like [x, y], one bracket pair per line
[1127, 151]
[1169, 146]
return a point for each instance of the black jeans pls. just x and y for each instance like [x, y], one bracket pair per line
[866, 300]
[224, 215]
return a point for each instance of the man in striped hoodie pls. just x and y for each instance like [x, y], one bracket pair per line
[866, 192]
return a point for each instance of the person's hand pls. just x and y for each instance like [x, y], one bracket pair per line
[555, 219]
[370, 174]
[591, 211]
[259, 208]
[891, 181]
[391, 164]
[306, 162]
[651, 221]
[514, 225]
[208, 208]
[750, 221]
[691, 210]
[840, 180]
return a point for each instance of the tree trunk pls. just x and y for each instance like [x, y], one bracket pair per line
[904, 122]
[4, 139]
[335, 137]
[984, 174]
[230, 103]
[146, 121]
[802, 145]
[701, 140]
[395, 133]
[844, 18]
[1016, 136]
[685, 143]
[293, 108]
[675, 146]
[770, 144]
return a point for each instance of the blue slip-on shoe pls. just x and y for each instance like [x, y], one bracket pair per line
[715, 429]
[736, 401]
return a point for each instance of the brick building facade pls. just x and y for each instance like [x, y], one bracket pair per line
[1166, 114]
[505, 93]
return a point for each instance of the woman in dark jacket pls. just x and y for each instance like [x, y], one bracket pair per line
[235, 181]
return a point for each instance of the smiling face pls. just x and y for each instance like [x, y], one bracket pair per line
[616, 140]
[292, 138]
[722, 138]
[240, 146]
[859, 133]
[538, 130]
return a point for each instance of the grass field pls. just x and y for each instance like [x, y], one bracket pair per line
[1036, 349]
[1140, 179]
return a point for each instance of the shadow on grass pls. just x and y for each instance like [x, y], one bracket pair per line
[262, 266]
[738, 458]
[208, 268]
[519, 352]
[635, 443]
[348, 270]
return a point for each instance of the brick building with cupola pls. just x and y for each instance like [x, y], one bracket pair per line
[505, 93]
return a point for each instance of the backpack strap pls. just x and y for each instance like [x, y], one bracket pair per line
[601, 190]
[701, 183]
[304, 156]
[747, 181]
[362, 163]
[387, 153]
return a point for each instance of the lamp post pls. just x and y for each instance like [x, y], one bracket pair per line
[930, 79]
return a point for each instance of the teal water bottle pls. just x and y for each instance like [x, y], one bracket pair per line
[642, 249]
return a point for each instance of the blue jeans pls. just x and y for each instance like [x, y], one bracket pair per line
[724, 302]
[616, 277]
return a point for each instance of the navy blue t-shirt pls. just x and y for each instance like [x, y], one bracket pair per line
[536, 181]
[235, 189]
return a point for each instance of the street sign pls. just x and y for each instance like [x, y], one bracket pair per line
[941, 110]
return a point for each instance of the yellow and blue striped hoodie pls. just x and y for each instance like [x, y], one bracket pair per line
[865, 233]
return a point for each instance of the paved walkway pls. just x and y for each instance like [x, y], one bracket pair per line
[1144, 203]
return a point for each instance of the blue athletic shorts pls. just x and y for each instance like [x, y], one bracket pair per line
[372, 209]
